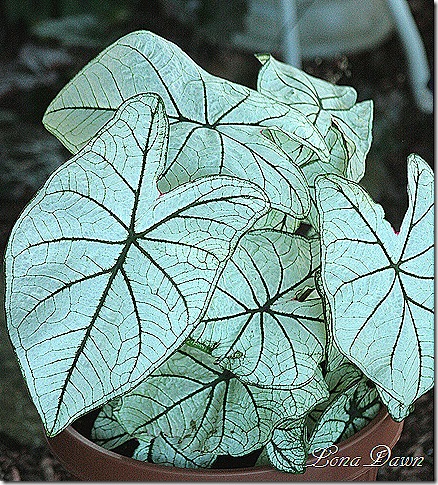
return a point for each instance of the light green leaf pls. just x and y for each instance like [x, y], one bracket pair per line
[204, 409]
[398, 410]
[214, 124]
[379, 284]
[356, 128]
[278, 221]
[263, 459]
[311, 165]
[105, 277]
[109, 433]
[325, 105]
[265, 322]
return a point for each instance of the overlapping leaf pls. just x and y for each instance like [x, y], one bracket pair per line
[379, 284]
[350, 410]
[325, 105]
[265, 322]
[313, 97]
[105, 278]
[107, 431]
[339, 148]
[288, 449]
[214, 124]
[353, 403]
[198, 408]
[398, 409]
[171, 452]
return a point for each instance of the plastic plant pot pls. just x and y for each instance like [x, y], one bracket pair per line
[355, 459]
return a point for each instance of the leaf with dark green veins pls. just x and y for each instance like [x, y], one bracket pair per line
[379, 285]
[351, 406]
[171, 452]
[340, 149]
[325, 105]
[265, 322]
[312, 96]
[105, 277]
[201, 409]
[288, 448]
[214, 124]
[348, 412]
[107, 431]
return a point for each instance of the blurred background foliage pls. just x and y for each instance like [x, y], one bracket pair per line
[93, 23]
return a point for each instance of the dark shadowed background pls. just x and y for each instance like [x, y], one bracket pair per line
[43, 43]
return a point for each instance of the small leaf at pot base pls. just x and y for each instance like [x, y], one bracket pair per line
[351, 407]
[287, 450]
[105, 279]
[263, 328]
[201, 409]
[263, 459]
[379, 285]
[172, 452]
[107, 431]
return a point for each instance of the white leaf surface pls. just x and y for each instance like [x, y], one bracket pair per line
[288, 449]
[105, 277]
[214, 124]
[339, 148]
[379, 284]
[107, 431]
[397, 409]
[203, 409]
[325, 105]
[265, 321]
[353, 403]
[169, 451]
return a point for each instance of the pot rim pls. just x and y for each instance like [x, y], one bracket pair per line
[201, 473]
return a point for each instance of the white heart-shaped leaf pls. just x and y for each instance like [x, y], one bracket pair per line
[379, 285]
[214, 124]
[324, 104]
[313, 97]
[201, 408]
[265, 322]
[105, 278]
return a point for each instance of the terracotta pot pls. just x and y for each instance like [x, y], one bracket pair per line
[88, 461]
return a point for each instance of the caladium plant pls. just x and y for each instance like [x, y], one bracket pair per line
[206, 269]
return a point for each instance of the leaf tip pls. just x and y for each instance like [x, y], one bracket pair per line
[263, 57]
